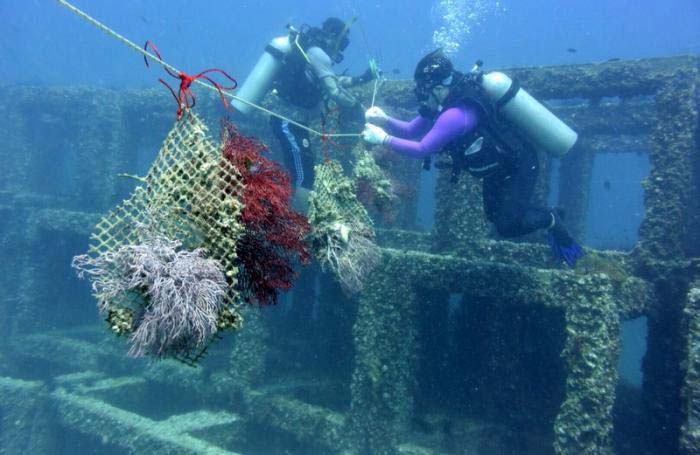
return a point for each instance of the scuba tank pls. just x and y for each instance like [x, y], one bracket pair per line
[260, 79]
[525, 113]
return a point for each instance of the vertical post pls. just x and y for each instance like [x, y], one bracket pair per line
[664, 240]
[575, 172]
[385, 338]
[668, 190]
[585, 421]
[690, 393]
[459, 213]
[693, 242]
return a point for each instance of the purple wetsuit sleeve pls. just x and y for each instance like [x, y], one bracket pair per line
[407, 130]
[449, 125]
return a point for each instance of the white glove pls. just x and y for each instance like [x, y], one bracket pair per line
[376, 115]
[374, 135]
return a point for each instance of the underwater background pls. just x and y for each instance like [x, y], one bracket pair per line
[475, 377]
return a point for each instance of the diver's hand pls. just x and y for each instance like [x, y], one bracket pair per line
[374, 134]
[376, 115]
[368, 76]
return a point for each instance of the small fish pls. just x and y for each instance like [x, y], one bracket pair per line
[614, 59]
[144, 20]
[606, 185]
[571, 50]
[396, 71]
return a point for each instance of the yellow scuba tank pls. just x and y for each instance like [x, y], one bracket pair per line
[529, 116]
[263, 74]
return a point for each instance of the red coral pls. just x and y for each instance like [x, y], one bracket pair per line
[274, 234]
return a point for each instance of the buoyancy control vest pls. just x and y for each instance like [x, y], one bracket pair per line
[512, 120]
[296, 82]
[482, 152]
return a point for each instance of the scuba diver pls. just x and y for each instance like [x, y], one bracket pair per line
[298, 68]
[460, 114]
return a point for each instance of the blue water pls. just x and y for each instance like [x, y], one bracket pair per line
[44, 43]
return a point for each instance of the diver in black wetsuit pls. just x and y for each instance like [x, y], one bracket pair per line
[305, 81]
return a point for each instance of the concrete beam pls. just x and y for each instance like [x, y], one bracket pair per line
[137, 434]
[26, 417]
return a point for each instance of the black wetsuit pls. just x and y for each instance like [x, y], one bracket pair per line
[508, 192]
[303, 82]
[298, 156]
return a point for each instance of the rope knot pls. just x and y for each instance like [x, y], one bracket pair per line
[185, 97]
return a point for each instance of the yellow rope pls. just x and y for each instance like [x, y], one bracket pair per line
[301, 49]
[140, 50]
[374, 91]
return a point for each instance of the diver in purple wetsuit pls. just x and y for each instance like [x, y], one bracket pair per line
[454, 117]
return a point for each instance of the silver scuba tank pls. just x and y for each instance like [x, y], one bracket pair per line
[260, 79]
[529, 116]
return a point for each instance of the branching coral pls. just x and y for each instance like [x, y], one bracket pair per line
[348, 250]
[166, 299]
[274, 237]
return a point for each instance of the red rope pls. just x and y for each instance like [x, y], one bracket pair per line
[185, 97]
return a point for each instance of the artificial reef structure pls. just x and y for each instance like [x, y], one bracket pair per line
[456, 343]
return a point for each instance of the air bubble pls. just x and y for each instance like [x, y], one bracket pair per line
[458, 18]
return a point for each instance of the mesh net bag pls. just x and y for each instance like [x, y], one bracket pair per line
[191, 195]
[342, 233]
